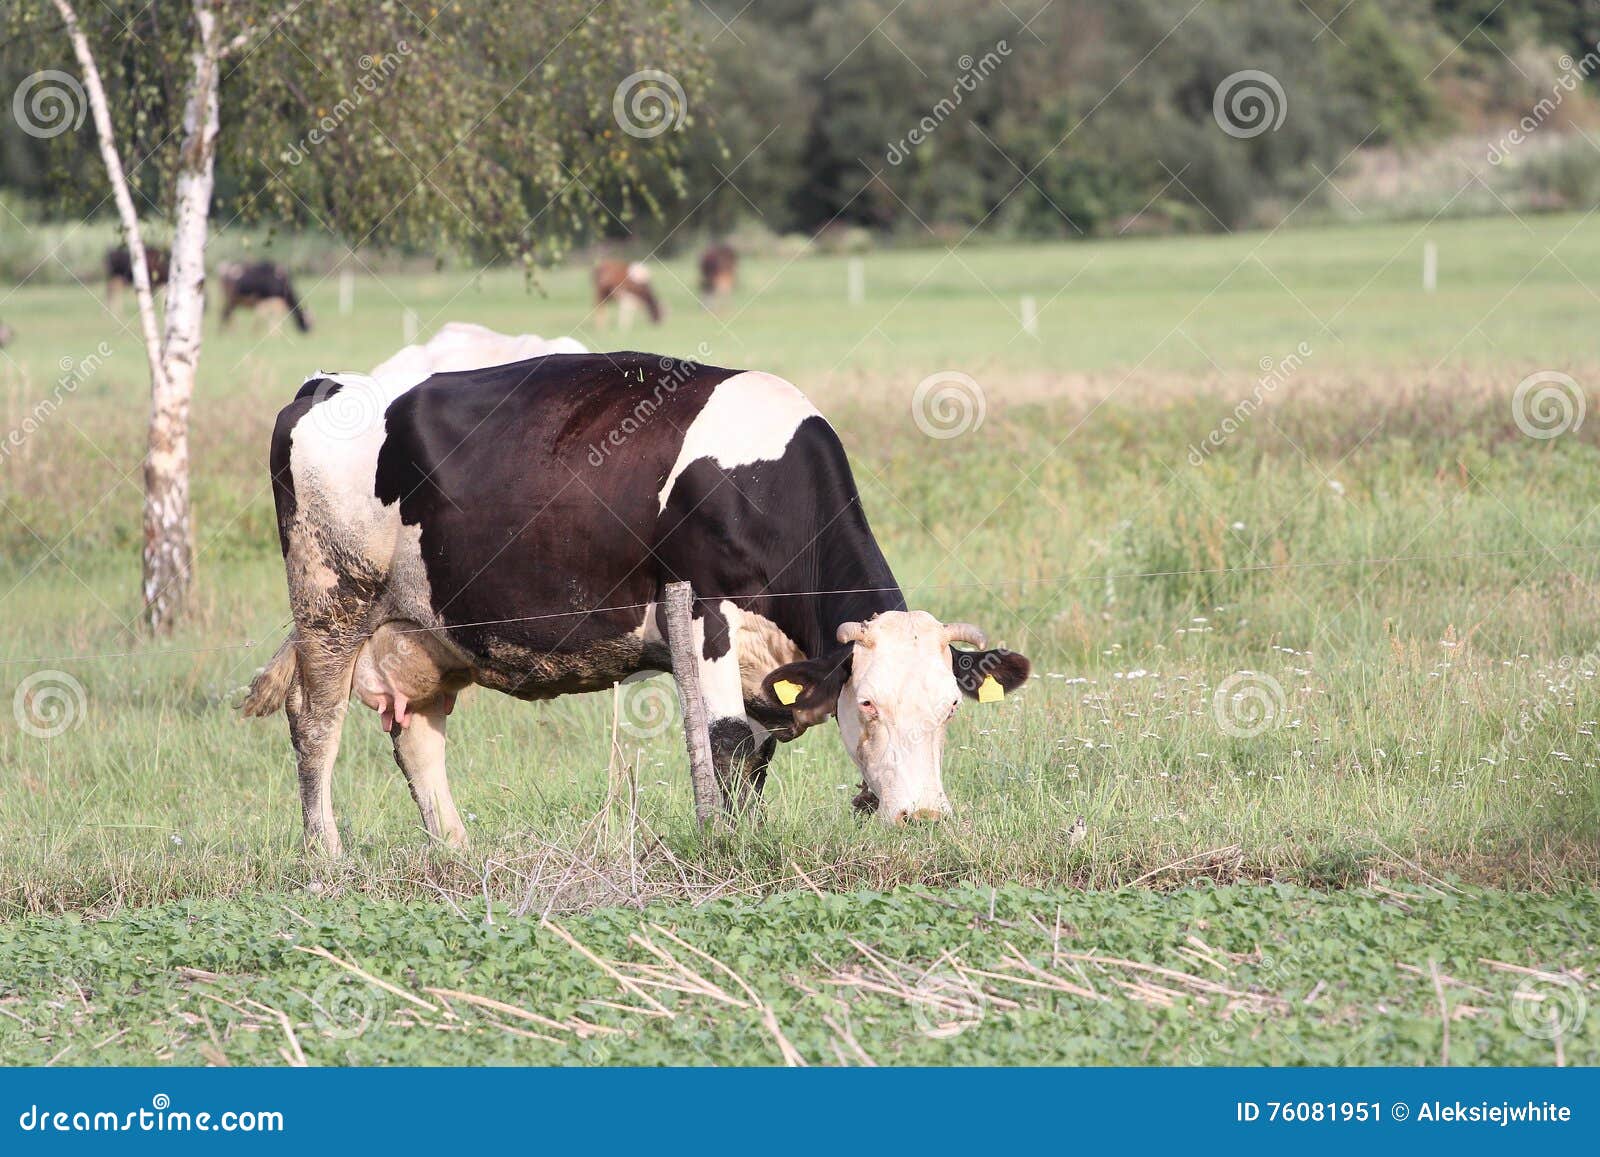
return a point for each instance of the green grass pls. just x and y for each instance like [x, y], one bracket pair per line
[1274, 975]
[1405, 576]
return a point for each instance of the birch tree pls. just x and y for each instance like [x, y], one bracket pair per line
[484, 129]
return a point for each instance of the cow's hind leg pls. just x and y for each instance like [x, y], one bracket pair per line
[316, 710]
[412, 680]
[419, 750]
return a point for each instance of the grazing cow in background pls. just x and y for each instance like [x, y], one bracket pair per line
[119, 270]
[252, 284]
[6, 334]
[464, 345]
[629, 287]
[488, 527]
[719, 268]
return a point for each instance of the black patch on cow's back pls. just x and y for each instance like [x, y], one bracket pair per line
[319, 387]
[531, 504]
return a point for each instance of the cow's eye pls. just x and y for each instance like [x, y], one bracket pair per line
[867, 707]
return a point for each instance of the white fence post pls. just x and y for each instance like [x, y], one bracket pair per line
[1030, 316]
[1430, 267]
[347, 292]
[856, 280]
[408, 327]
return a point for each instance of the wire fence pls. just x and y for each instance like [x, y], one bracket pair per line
[1054, 580]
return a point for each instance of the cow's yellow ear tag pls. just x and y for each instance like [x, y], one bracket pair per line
[786, 691]
[990, 691]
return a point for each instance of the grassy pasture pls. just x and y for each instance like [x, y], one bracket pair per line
[1378, 555]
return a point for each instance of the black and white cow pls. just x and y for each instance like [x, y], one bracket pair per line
[515, 527]
[250, 285]
[465, 345]
[119, 270]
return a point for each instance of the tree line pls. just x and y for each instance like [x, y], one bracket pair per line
[501, 130]
[1060, 119]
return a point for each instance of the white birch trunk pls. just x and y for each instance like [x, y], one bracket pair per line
[168, 569]
[120, 192]
[168, 527]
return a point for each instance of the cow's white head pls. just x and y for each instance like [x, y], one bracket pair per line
[894, 684]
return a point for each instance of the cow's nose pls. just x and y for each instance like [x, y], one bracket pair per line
[926, 814]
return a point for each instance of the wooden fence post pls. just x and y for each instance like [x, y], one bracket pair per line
[696, 729]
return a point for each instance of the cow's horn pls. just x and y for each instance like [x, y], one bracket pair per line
[851, 633]
[963, 633]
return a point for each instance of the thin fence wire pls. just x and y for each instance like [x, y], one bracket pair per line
[1054, 580]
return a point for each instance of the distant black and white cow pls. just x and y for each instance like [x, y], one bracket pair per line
[119, 270]
[255, 283]
[515, 527]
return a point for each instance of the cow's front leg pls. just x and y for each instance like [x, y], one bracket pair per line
[740, 750]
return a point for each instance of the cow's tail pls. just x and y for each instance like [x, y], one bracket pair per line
[271, 686]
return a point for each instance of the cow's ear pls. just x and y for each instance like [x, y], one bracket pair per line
[988, 675]
[810, 688]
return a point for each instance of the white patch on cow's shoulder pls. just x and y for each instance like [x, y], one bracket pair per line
[750, 417]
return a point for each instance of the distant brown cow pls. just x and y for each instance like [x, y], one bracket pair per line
[627, 285]
[253, 284]
[719, 267]
[119, 270]
[6, 334]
